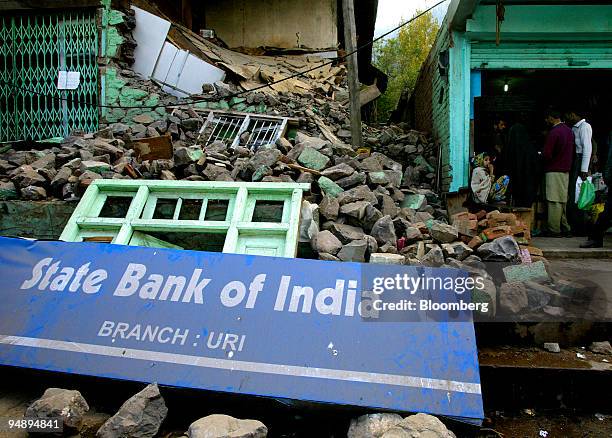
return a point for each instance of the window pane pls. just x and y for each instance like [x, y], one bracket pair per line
[190, 210]
[116, 206]
[164, 209]
[216, 210]
[268, 211]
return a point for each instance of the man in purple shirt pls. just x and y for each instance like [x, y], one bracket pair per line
[557, 156]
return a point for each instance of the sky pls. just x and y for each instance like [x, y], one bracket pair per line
[391, 12]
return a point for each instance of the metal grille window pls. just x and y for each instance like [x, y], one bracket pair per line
[242, 130]
[33, 49]
[243, 218]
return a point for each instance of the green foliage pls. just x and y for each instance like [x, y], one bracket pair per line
[401, 57]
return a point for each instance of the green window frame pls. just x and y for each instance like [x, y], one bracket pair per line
[245, 232]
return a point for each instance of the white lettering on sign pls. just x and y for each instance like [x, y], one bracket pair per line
[135, 272]
[340, 299]
[45, 275]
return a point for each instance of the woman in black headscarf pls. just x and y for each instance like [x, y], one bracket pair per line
[523, 166]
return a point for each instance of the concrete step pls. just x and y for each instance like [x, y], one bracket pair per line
[569, 248]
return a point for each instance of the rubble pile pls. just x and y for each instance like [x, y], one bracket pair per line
[144, 415]
[64, 170]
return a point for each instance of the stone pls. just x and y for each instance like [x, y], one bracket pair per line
[33, 193]
[338, 171]
[330, 188]
[434, 257]
[167, 175]
[144, 119]
[384, 231]
[95, 166]
[485, 294]
[308, 141]
[46, 162]
[357, 178]
[372, 215]
[387, 258]
[360, 193]
[329, 208]
[184, 156]
[501, 249]
[413, 234]
[119, 128]
[457, 250]
[28, 177]
[371, 164]
[306, 177]
[423, 216]
[8, 191]
[372, 244]
[419, 426]
[394, 177]
[387, 205]
[224, 426]
[601, 347]
[378, 178]
[553, 347]
[513, 298]
[325, 241]
[191, 124]
[328, 257]
[61, 178]
[313, 159]
[217, 173]
[443, 233]
[139, 417]
[372, 425]
[347, 233]
[355, 210]
[69, 405]
[354, 251]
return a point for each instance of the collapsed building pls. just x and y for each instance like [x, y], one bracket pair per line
[156, 100]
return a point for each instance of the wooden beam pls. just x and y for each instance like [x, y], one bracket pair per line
[350, 45]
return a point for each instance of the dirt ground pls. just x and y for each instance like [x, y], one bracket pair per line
[530, 423]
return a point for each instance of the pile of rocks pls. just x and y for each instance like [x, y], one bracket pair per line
[64, 170]
[143, 415]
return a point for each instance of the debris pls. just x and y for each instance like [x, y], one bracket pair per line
[387, 259]
[444, 233]
[601, 347]
[325, 242]
[139, 417]
[501, 249]
[372, 425]
[154, 148]
[419, 425]
[553, 347]
[69, 405]
[224, 426]
[524, 272]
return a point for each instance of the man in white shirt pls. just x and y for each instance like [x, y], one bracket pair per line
[583, 138]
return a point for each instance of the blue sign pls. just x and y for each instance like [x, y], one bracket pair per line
[289, 328]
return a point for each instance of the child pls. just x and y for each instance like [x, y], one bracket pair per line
[482, 184]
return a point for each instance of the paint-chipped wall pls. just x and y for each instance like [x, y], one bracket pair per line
[430, 104]
[274, 23]
[125, 97]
